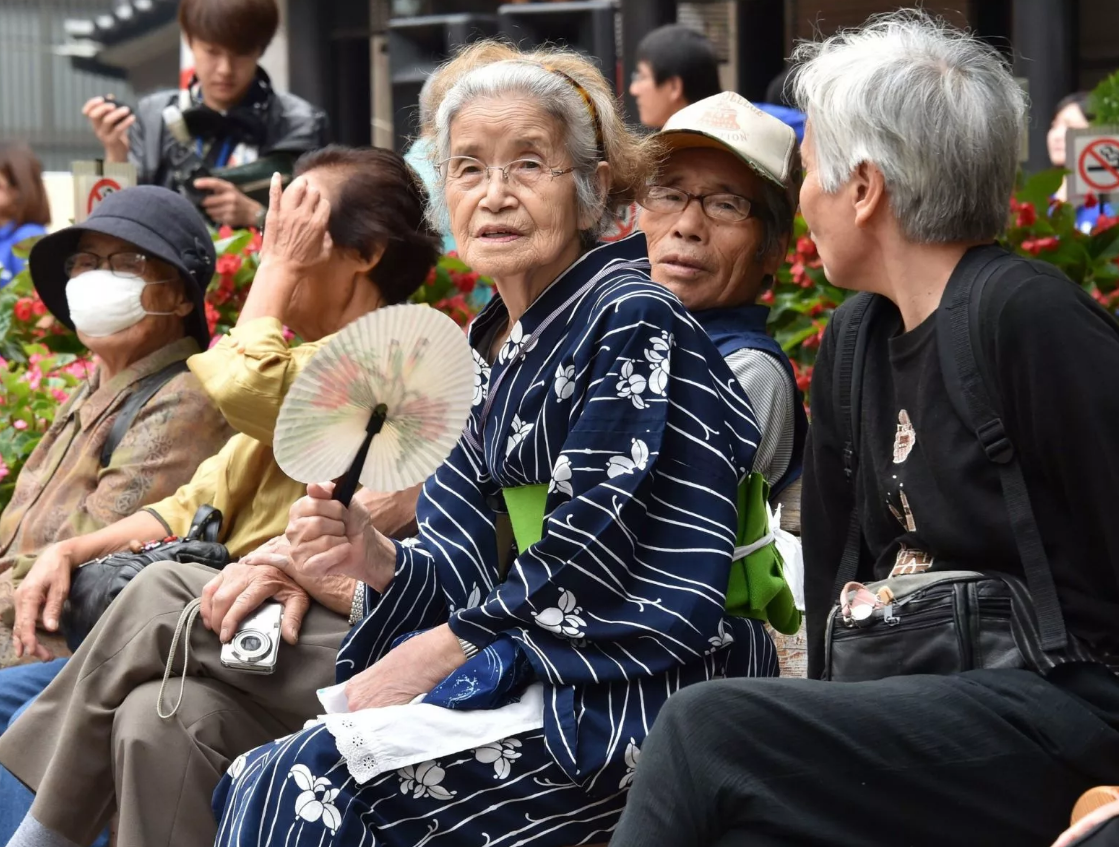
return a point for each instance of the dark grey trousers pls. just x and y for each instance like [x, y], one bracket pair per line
[984, 758]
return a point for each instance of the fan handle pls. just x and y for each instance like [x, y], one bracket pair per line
[344, 490]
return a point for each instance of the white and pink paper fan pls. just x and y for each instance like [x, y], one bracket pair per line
[383, 402]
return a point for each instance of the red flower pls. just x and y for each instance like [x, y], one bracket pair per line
[432, 275]
[256, 242]
[212, 317]
[1091, 200]
[225, 231]
[228, 264]
[1027, 214]
[806, 247]
[23, 309]
[1036, 245]
[1104, 222]
[38, 307]
[767, 297]
[466, 282]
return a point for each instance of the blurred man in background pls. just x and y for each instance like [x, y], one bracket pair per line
[675, 66]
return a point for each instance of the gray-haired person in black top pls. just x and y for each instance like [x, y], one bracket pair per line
[910, 155]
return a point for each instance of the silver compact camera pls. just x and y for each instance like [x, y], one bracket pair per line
[254, 646]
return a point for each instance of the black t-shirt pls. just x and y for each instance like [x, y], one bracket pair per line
[927, 494]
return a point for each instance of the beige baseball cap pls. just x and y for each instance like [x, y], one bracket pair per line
[730, 122]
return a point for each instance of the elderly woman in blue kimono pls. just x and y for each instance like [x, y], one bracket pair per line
[607, 426]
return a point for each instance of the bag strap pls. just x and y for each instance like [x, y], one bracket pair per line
[206, 525]
[848, 388]
[145, 390]
[961, 328]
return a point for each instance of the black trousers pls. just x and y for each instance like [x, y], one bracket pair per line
[984, 758]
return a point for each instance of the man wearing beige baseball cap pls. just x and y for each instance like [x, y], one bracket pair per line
[718, 219]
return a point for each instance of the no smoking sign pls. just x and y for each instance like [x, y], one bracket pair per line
[1093, 158]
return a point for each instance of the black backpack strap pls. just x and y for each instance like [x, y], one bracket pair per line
[145, 390]
[848, 387]
[960, 329]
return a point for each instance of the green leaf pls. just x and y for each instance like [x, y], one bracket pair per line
[798, 338]
[22, 250]
[236, 243]
[1040, 187]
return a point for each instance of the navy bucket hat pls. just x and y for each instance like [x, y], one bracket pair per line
[161, 223]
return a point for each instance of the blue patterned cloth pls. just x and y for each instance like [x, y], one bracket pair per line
[612, 395]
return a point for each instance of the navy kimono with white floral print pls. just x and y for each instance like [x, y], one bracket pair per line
[620, 403]
[608, 392]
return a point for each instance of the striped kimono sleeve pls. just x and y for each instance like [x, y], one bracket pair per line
[455, 522]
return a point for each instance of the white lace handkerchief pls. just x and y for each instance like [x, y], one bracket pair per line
[375, 741]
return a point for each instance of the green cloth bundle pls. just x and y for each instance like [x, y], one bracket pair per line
[757, 587]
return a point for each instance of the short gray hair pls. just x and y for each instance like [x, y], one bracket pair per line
[558, 97]
[934, 108]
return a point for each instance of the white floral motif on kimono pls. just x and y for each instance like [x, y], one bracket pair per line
[423, 780]
[632, 385]
[565, 382]
[633, 754]
[521, 429]
[722, 639]
[237, 766]
[561, 476]
[501, 754]
[481, 378]
[513, 344]
[637, 460]
[316, 801]
[563, 619]
[658, 355]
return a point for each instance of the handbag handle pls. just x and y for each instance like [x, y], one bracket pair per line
[206, 525]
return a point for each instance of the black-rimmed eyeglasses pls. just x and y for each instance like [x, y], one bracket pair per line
[726, 208]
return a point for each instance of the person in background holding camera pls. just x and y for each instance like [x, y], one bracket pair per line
[135, 297]
[347, 237]
[997, 751]
[232, 115]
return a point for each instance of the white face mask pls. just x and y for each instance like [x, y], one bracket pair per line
[103, 303]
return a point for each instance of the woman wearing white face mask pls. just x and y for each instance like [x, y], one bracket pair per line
[134, 295]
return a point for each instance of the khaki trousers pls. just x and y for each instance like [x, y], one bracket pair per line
[92, 743]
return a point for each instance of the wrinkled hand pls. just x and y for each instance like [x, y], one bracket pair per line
[275, 552]
[392, 513]
[407, 671]
[1086, 824]
[110, 122]
[43, 591]
[240, 589]
[225, 204]
[329, 539]
[296, 229]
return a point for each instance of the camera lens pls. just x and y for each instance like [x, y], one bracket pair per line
[251, 645]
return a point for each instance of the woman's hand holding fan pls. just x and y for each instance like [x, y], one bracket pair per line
[328, 538]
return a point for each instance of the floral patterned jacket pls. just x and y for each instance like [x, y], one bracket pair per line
[63, 491]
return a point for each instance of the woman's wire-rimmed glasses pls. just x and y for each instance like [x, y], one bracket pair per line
[726, 208]
[467, 172]
[119, 264]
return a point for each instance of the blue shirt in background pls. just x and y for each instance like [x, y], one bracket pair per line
[10, 236]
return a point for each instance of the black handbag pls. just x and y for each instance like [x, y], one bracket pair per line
[96, 584]
[949, 621]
